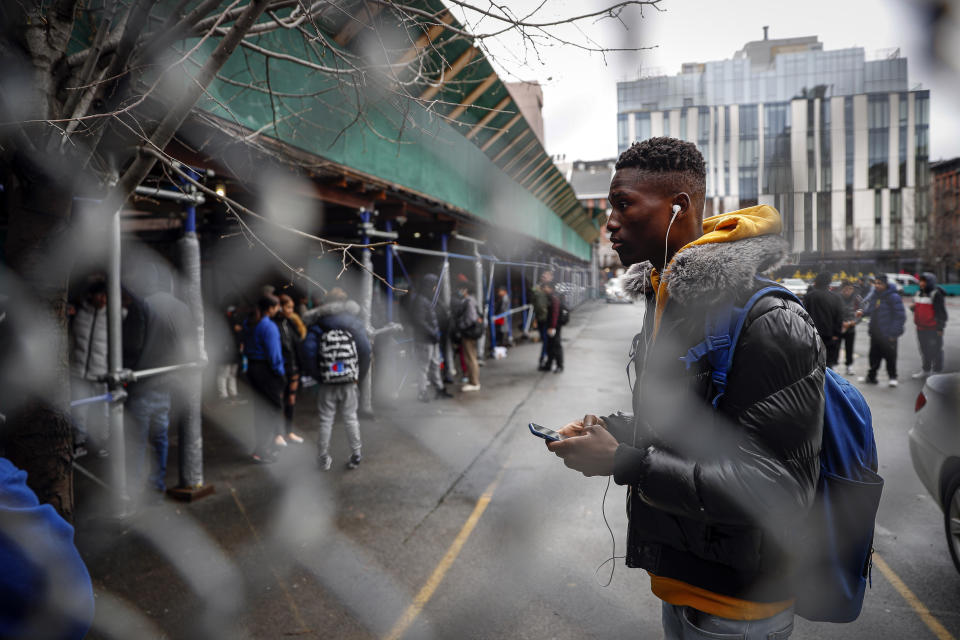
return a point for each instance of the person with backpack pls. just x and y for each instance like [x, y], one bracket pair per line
[721, 471]
[930, 317]
[426, 339]
[336, 353]
[468, 326]
[554, 325]
[887, 319]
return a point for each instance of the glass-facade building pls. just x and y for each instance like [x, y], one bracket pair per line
[837, 143]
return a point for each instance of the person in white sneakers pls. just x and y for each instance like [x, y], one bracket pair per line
[468, 325]
[930, 316]
[887, 318]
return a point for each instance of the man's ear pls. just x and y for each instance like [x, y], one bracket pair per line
[683, 201]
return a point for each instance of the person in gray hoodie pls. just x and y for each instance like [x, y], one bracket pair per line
[88, 362]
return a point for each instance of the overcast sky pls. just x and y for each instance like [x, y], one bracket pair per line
[580, 102]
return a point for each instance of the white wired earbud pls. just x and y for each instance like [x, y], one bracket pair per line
[639, 384]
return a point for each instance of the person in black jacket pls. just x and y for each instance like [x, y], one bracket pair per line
[826, 309]
[157, 332]
[714, 495]
[292, 332]
[887, 317]
[426, 336]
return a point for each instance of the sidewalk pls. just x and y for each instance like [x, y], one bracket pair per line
[227, 565]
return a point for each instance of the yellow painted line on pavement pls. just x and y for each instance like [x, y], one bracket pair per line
[304, 629]
[932, 623]
[426, 592]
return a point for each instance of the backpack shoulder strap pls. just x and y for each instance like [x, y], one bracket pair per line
[722, 327]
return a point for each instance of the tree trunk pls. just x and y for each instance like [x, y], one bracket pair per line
[38, 436]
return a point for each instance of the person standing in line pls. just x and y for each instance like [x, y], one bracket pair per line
[501, 305]
[541, 313]
[930, 317]
[852, 302]
[554, 344]
[426, 336]
[826, 309]
[292, 332]
[469, 326]
[157, 332]
[267, 376]
[887, 319]
[231, 347]
[336, 353]
[88, 362]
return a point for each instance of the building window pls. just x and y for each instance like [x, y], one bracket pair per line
[623, 132]
[848, 219]
[878, 140]
[922, 126]
[826, 173]
[824, 232]
[848, 139]
[666, 124]
[642, 125]
[777, 174]
[725, 149]
[703, 141]
[682, 134]
[902, 140]
[896, 219]
[748, 154]
[811, 147]
[877, 218]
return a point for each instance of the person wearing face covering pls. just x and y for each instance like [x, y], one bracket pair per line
[714, 496]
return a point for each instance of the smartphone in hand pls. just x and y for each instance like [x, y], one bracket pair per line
[545, 433]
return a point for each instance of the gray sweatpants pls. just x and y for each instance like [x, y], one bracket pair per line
[329, 398]
[428, 362]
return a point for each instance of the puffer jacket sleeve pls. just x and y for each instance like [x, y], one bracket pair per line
[360, 338]
[763, 459]
[308, 350]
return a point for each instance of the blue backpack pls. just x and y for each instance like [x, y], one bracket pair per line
[837, 537]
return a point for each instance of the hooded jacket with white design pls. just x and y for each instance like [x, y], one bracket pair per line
[714, 495]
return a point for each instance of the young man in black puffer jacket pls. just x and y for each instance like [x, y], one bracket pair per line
[714, 496]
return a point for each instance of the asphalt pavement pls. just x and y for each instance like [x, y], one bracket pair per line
[459, 523]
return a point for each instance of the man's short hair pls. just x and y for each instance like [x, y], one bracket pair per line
[267, 302]
[675, 164]
[823, 279]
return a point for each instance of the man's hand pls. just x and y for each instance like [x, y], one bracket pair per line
[551, 333]
[588, 448]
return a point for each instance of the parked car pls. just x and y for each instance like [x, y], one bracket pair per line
[935, 450]
[796, 286]
[613, 292]
[906, 284]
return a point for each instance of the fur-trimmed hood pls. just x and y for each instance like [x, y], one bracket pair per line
[331, 308]
[709, 273]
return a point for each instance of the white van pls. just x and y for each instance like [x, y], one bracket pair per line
[905, 282]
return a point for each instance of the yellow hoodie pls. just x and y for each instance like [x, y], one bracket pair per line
[760, 220]
[751, 222]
